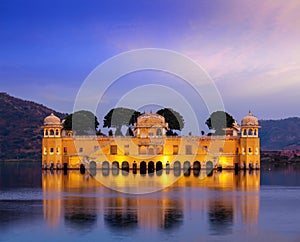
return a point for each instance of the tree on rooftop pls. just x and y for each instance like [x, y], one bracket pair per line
[174, 119]
[117, 117]
[81, 122]
[218, 121]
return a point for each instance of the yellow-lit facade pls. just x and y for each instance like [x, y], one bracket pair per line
[239, 148]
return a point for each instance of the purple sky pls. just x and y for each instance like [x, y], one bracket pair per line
[251, 49]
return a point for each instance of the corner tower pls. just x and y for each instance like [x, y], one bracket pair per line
[52, 143]
[250, 143]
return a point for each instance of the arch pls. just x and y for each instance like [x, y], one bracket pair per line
[177, 165]
[245, 132]
[105, 165]
[186, 165]
[158, 132]
[151, 150]
[115, 165]
[82, 169]
[125, 166]
[51, 132]
[143, 167]
[187, 168]
[197, 165]
[159, 166]
[255, 132]
[177, 168]
[46, 133]
[250, 132]
[56, 132]
[93, 165]
[150, 167]
[209, 165]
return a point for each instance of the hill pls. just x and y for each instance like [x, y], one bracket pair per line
[21, 133]
[20, 127]
[283, 134]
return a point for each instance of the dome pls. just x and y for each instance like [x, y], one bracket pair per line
[52, 120]
[150, 119]
[250, 120]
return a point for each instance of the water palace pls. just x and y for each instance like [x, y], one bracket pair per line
[150, 148]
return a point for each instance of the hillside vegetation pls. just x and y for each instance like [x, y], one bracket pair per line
[20, 127]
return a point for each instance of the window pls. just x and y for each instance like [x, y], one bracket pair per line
[150, 134]
[237, 150]
[57, 150]
[159, 150]
[250, 132]
[142, 150]
[80, 149]
[51, 132]
[56, 132]
[151, 151]
[51, 150]
[175, 149]
[126, 149]
[158, 132]
[249, 150]
[65, 150]
[113, 150]
[46, 133]
[245, 132]
[188, 149]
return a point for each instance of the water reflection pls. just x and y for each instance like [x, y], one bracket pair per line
[79, 200]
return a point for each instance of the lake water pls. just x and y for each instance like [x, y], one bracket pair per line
[44, 206]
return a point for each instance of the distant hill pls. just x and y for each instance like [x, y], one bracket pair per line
[20, 127]
[283, 134]
[21, 133]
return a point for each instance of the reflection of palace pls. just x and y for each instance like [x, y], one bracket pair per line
[151, 149]
[80, 201]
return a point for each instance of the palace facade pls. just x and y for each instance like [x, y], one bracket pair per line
[150, 148]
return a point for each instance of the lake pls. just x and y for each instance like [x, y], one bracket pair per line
[38, 205]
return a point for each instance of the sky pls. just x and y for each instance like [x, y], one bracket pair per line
[250, 49]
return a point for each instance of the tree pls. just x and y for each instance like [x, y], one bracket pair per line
[173, 118]
[218, 121]
[81, 122]
[117, 117]
[129, 132]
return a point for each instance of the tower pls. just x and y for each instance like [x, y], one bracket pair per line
[250, 143]
[52, 143]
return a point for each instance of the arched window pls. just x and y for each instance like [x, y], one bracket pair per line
[51, 132]
[158, 132]
[115, 165]
[46, 133]
[250, 132]
[125, 166]
[56, 132]
[245, 132]
[151, 150]
[255, 132]
[177, 165]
